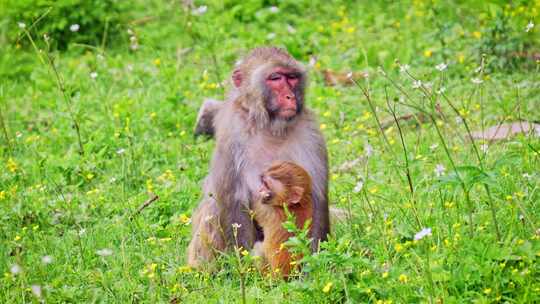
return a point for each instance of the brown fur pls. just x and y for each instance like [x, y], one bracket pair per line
[248, 140]
[271, 215]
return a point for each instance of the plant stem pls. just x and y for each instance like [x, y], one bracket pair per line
[4, 130]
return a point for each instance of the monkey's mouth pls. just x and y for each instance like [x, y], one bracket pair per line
[287, 113]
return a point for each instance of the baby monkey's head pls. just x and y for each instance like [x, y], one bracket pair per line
[284, 183]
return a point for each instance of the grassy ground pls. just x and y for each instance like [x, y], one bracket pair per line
[69, 228]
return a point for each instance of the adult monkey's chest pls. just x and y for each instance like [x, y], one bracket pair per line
[260, 152]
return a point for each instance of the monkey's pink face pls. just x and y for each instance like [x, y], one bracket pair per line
[284, 84]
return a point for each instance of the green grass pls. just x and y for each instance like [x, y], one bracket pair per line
[136, 123]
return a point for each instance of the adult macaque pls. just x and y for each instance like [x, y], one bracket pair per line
[264, 119]
[284, 184]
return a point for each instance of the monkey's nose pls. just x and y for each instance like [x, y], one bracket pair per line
[289, 97]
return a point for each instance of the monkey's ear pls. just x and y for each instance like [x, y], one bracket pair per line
[237, 78]
[295, 195]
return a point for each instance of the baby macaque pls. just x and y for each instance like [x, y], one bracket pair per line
[283, 184]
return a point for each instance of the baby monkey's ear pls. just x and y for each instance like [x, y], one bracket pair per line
[295, 195]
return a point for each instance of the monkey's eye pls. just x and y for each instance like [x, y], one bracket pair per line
[293, 76]
[275, 76]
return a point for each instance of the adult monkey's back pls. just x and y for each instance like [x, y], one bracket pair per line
[263, 120]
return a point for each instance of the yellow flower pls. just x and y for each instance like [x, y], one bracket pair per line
[184, 269]
[245, 252]
[428, 53]
[477, 34]
[385, 275]
[17, 238]
[149, 185]
[157, 62]
[89, 176]
[487, 291]
[323, 126]
[327, 287]
[366, 115]
[398, 247]
[2, 195]
[403, 278]
[12, 165]
[153, 115]
[184, 218]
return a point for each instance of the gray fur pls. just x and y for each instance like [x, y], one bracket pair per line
[247, 142]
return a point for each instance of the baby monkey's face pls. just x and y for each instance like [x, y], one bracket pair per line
[272, 191]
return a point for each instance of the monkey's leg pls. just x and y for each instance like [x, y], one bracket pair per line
[246, 232]
[205, 119]
[207, 236]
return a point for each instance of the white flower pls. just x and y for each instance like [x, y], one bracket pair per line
[439, 170]
[200, 10]
[459, 120]
[416, 84]
[47, 259]
[484, 148]
[36, 290]
[359, 186]
[236, 225]
[45, 37]
[477, 80]
[312, 61]
[529, 26]
[273, 9]
[441, 90]
[422, 234]
[74, 27]
[527, 176]
[120, 151]
[104, 252]
[433, 147]
[82, 231]
[404, 68]
[368, 150]
[21, 25]
[291, 29]
[271, 36]
[441, 67]
[349, 75]
[93, 75]
[15, 269]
